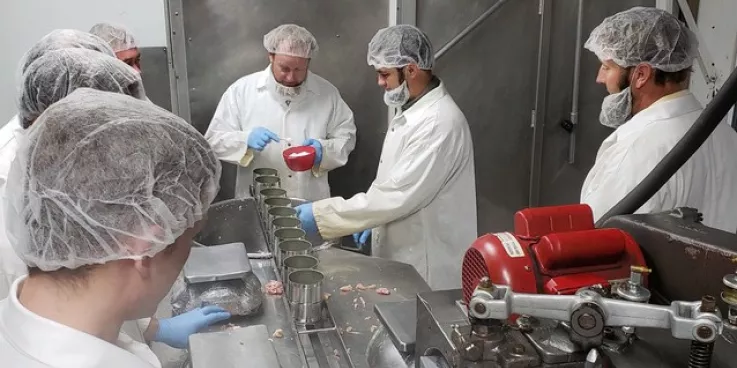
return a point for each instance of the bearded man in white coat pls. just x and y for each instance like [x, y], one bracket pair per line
[264, 113]
[646, 57]
[422, 203]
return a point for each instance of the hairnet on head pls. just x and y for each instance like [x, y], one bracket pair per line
[399, 46]
[119, 37]
[103, 177]
[64, 39]
[292, 40]
[644, 35]
[57, 73]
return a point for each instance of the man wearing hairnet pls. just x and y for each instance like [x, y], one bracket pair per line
[646, 57]
[105, 231]
[51, 76]
[422, 203]
[264, 113]
[122, 42]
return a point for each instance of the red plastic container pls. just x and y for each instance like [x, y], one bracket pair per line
[297, 160]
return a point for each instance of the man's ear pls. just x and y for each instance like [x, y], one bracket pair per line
[642, 74]
[411, 71]
[271, 58]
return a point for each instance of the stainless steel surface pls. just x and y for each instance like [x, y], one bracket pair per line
[462, 34]
[306, 287]
[400, 320]
[292, 247]
[178, 44]
[217, 263]
[437, 313]
[232, 221]
[294, 263]
[155, 75]
[682, 318]
[353, 311]
[224, 42]
[248, 346]
[306, 314]
[382, 352]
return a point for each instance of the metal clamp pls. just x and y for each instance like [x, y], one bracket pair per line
[590, 311]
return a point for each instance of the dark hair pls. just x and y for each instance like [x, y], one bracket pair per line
[76, 278]
[661, 77]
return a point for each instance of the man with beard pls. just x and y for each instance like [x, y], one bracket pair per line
[646, 57]
[263, 113]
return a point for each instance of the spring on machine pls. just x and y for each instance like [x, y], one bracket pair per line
[701, 353]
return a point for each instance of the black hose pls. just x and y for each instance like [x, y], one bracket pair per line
[683, 150]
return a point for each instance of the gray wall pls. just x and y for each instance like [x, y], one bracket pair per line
[492, 75]
[155, 75]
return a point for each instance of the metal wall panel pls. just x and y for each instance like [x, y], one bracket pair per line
[155, 74]
[560, 181]
[491, 74]
[224, 41]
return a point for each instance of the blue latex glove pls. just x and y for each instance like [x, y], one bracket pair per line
[260, 137]
[361, 237]
[318, 150]
[305, 214]
[175, 331]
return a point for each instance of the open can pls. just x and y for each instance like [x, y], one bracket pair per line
[294, 263]
[305, 295]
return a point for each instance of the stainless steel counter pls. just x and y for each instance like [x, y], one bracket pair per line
[352, 311]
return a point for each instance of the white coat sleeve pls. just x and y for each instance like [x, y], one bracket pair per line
[424, 167]
[620, 176]
[340, 140]
[225, 134]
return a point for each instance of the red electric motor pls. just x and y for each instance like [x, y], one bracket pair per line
[554, 250]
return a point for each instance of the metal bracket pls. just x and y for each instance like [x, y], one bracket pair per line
[704, 58]
[178, 48]
[466, 31]
[683, 319]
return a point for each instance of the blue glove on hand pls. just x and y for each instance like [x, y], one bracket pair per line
[260, 137]
[361, 237]
[318, 150]
[305, 214]
[175, 331]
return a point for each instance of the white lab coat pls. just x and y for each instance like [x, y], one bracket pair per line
[11, 267]
[707, 181]
[28, 340]
[423, 199]
[319, 113]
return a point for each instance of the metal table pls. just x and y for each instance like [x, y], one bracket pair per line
[342, 338]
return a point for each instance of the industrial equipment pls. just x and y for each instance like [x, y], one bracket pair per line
[542, 298]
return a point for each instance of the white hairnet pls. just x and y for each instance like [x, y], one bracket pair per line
[64, 39]
[399, 46]
[57, 73]
[100, 172]
[292, 40]
[119, 38]
[644, 35]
